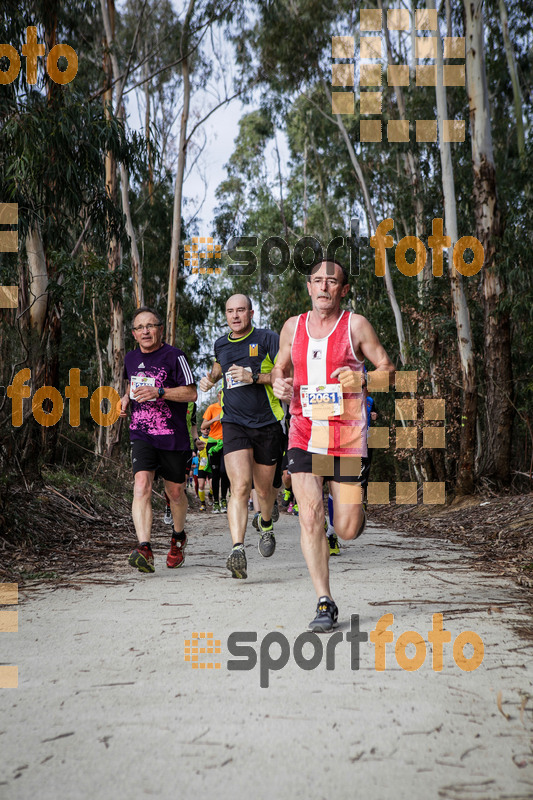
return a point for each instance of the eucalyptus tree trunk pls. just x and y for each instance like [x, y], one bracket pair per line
[108, 16]
[517, 94]
[465, 467]
[496, 329]
[178, 188]
[116, 348]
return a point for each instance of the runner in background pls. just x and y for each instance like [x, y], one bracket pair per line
[219, 478]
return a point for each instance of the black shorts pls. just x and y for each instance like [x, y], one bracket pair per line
[331, 468]
[203, 473]
[171, 465]
[266, 442]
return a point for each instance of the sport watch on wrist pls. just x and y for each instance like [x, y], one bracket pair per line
[161, 391]
[255, 376]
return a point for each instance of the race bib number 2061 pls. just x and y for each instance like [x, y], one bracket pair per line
[321, 402]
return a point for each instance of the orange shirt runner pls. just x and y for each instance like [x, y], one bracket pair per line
[214, 410]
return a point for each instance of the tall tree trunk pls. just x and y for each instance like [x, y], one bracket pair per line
[517, 94]
[116, 349]
[465, 467]
[147, 135]
[178, 189]
[108, 16]
[496, 329]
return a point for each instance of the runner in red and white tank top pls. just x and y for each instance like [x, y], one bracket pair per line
[325, 438]
[341, 434]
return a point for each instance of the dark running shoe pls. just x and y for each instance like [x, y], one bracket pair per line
[267, 542]
[236, 562]
[142, 558]
[334, 547]
[176, 556]
[327, 615]
[255, 521]
[287, 497]
[275, 512]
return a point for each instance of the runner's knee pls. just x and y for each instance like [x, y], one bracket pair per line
[142, 486]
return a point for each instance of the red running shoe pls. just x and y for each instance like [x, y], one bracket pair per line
[142, 558]
[176, 556]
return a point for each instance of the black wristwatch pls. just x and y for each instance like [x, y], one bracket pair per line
[161, 391]
[255, 376]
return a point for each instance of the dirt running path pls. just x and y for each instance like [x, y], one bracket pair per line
[107, 707]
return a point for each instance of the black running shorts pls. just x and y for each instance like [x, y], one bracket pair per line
[340, 469]
[171, 465]
[266, 442]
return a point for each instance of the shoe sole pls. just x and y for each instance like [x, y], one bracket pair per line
[238, 570]
[140, 563]
[266, 555]
[322, 628]
[176, 566]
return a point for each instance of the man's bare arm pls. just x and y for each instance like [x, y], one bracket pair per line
[281, 382]
[209, 380]
[371, 347]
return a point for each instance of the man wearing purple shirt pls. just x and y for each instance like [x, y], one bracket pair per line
[159, 386]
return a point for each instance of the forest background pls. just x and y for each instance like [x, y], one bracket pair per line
[103, 220]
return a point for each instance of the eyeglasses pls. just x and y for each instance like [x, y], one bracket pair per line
[329, 281]
[149, 327]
